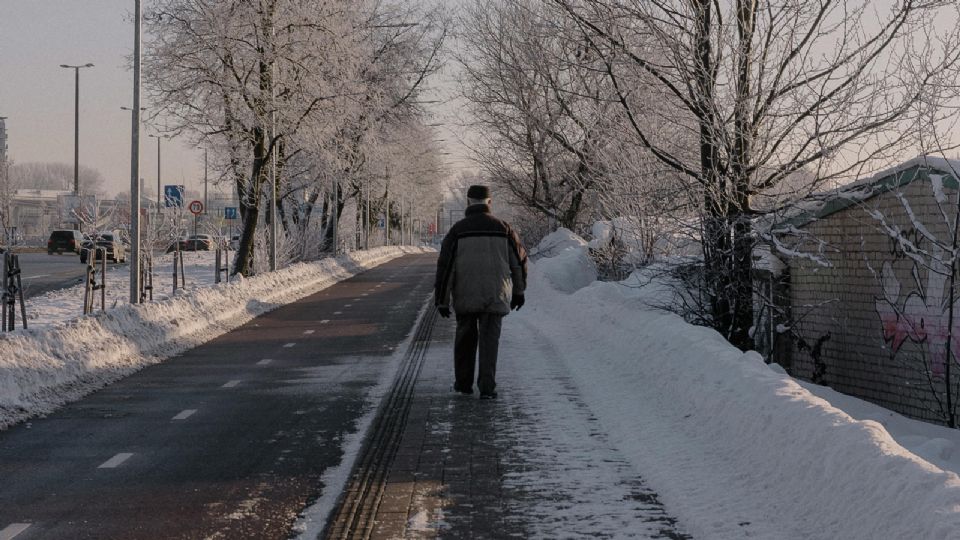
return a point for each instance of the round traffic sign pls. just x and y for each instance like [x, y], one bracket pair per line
[196, 207]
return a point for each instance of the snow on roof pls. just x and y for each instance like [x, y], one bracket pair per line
[820, 205]
[39, 194]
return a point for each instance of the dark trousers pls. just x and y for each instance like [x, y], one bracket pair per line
[473, 330]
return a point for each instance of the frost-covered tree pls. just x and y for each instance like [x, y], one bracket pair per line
[284, 81]
[765, 89]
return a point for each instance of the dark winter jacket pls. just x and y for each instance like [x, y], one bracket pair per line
[482, 264]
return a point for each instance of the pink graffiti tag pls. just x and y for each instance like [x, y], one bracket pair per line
[924, 316]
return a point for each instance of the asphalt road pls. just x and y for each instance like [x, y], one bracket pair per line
[228, 440]
[43, 273]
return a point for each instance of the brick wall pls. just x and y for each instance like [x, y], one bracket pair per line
[842, 301]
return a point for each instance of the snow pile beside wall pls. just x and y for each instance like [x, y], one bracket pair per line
[44, 368]
[736, 448]
[566, 264]
[556, 242]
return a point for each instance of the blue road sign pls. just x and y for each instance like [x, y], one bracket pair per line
[381, 223]
[173, 196]
[230, 212]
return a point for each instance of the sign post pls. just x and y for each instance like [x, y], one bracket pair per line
[196, 208]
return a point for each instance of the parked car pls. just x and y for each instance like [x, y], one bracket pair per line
[64, 240]
[199, 242]
[115, 248]
[195, 242]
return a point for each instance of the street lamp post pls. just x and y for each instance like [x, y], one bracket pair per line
[135, 162]
[76, 127]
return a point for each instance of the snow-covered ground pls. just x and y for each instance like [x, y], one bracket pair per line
[64, 356]
[65, 304]
[736, 448]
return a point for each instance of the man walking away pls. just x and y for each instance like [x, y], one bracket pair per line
[483, 268]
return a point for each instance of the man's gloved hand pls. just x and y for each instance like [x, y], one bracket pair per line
[516, 302]
[444, 311]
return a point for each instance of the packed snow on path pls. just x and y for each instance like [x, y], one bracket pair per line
[734, 447]
[64, 356]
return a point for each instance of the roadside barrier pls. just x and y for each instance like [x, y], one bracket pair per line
[12, 291]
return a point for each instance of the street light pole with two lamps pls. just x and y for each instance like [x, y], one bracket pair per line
[76, 124]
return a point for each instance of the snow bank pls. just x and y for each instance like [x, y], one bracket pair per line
[62, 305]
[556, 242]
[43, 368]
[735, 448]
[566, 264]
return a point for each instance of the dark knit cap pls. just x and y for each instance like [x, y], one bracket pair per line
[478, 192]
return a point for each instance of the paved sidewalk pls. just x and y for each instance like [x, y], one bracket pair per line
[533, 464]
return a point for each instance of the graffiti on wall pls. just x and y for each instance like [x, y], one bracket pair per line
[922, 315]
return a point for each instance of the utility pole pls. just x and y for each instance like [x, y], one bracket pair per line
[135, 163]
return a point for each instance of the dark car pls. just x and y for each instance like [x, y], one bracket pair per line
[196, 242]
[109, 242]
[64, 240]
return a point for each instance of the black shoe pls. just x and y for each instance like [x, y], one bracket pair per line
[464, 391]
[488, 395]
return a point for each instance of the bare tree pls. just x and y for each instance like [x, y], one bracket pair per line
[543, 108]
[300, 83]
[247, 76]
[55, 176]
[766, 89]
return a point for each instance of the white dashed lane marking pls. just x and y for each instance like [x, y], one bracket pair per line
[348, 305]
[187, 413]
[115, 461]
[338, 313]
[231, 384]
[289, 345]
[324, 321]
[11, 531]
[264, 362]
[309, 331]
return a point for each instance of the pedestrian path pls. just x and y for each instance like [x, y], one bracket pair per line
[534, 463]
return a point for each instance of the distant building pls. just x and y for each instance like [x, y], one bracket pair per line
[3, 140]
[35, 212]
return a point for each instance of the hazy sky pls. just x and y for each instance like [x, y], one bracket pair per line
[37, 95]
